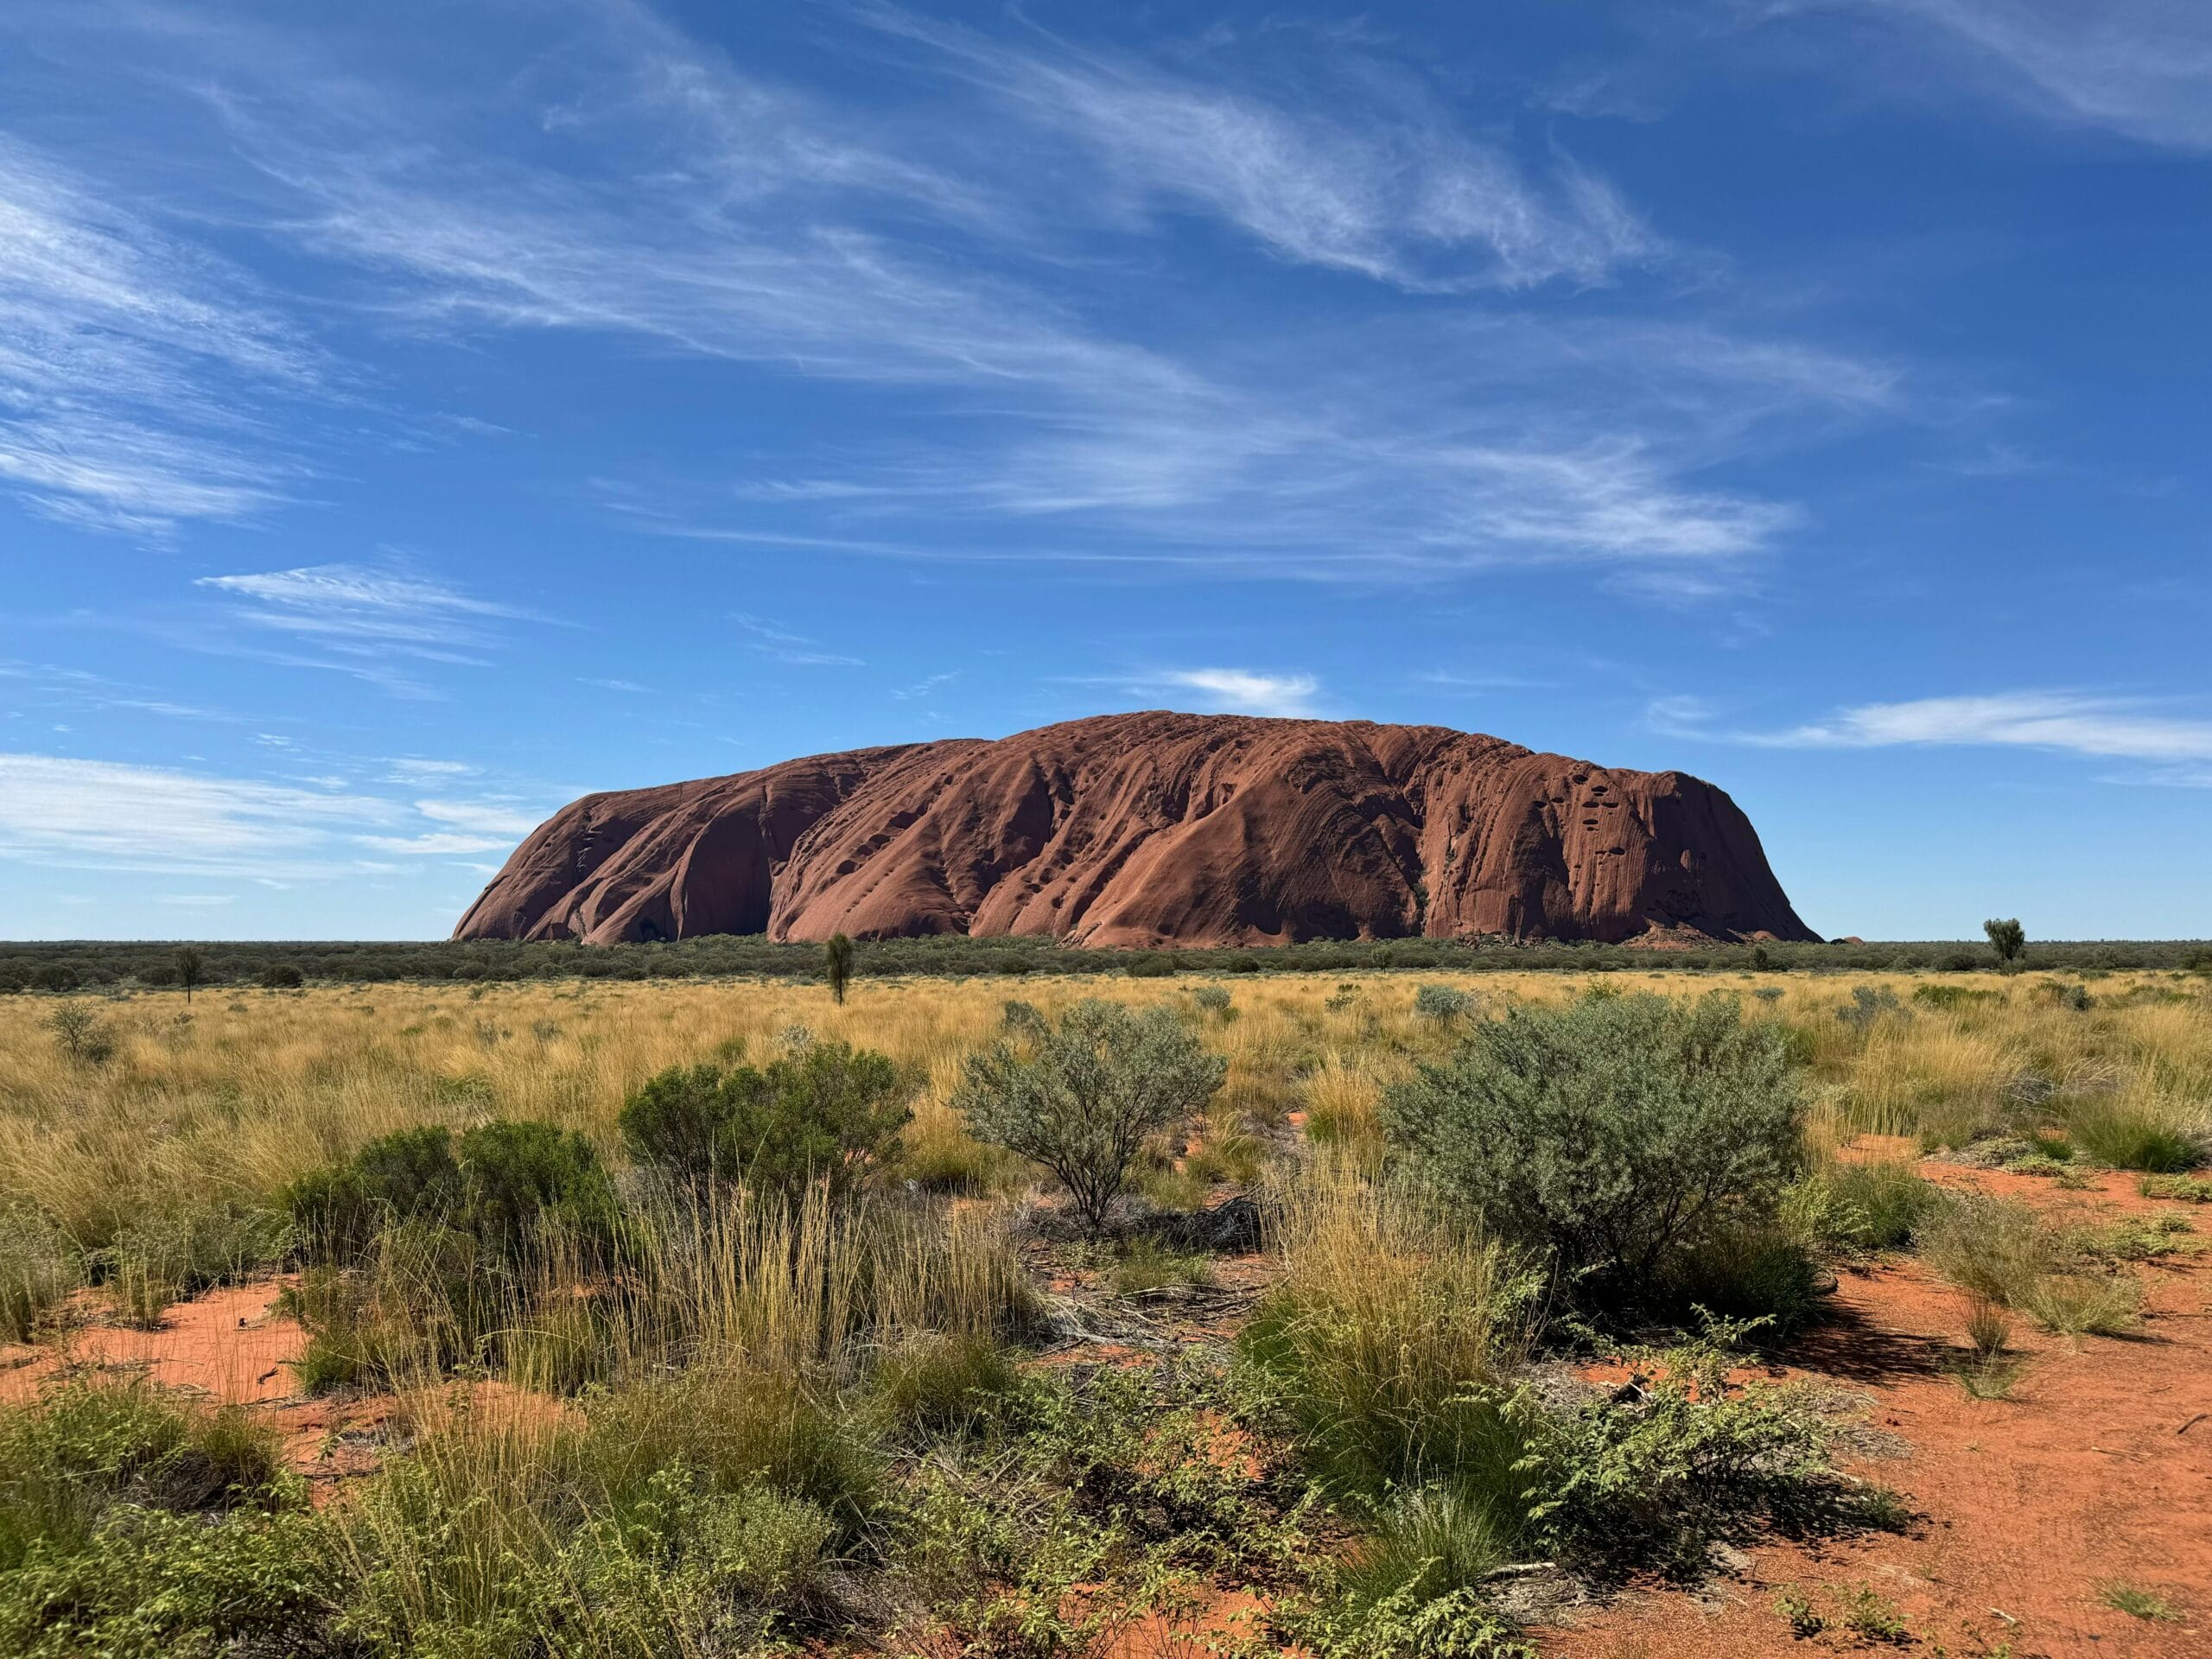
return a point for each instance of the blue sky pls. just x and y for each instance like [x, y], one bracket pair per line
[412, 417]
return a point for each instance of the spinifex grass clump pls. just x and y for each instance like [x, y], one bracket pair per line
[39, 1267]
[1635, 1146]
[2136, 1131]
[2000, 1251]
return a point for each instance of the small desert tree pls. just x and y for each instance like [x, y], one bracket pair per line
[1080, 1099]
[2007, 938]
[837, 964]
[191, 969]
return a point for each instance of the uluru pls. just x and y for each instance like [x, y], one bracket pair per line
[1154, 829]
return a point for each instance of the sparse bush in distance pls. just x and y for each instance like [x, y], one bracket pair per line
[1214, 999]
[1080, 1099]
[1609, 1135]
[2007, 938]
[82, 1036]
[837, 965]
[1442, 1003]
[824, 1112]
[281, 976]
[191, 964]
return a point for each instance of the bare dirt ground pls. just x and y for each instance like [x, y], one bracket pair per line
[2096, 1471]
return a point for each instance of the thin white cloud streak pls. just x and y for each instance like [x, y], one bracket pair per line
[2140, 67]
[1393, 194]
[780, 645]
[124, 357]
[2107, 728]
[495, 818]
[355, 618]
[107, 814]
[1234, 691]
[63, 812]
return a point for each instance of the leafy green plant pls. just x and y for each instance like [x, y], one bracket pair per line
[1610, 1135]
[1806, 1621]
[1081, 1097]
[1442, 1003]
[837, 966]
[2006, 938]
[1874, 1617]
[2189, 1189]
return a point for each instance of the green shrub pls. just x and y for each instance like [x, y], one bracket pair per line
[338, 1210]
[1652, 1484]
[83, 1448]
[1442, 1003]
[512, 1186]
[151, 1582]
[1852, 1209]
[1214, 999]
[1081, 1098]
[522, 1179]
[281, 976]
[824, 1112]
[1610, 1135]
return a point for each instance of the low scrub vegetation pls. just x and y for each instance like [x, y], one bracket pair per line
[709, 1319]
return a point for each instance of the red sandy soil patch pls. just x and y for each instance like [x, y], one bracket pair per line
[229, 1346]
[2097, 1472]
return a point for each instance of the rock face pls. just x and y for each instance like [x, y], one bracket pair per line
[1154, 829]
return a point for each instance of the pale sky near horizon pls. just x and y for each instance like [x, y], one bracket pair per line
[414, 416]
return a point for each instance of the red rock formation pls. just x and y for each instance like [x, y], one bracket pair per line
[1153, 828]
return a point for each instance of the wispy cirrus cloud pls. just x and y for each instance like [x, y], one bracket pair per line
[1374, 180]
[127, 358]
[108, 815]
[2111, 727]
[356, 619]
[778, 644]
[638, 185]
[64, 812]
[2141, 67]
[2177, 748]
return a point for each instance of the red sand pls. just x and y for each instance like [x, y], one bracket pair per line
[2098, 1470]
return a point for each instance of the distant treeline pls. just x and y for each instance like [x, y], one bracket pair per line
[95, 965]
